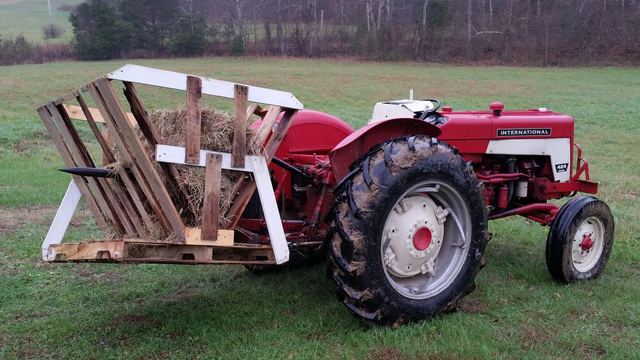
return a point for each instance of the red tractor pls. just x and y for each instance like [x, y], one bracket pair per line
[412, 191]
[400, 205]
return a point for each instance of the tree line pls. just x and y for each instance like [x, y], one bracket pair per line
[538, 32]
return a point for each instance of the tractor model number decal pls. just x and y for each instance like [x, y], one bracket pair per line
[524, 132]
[562, 167]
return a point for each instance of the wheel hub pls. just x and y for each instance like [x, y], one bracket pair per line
[414, 233]
[587, 242]
[422, 238]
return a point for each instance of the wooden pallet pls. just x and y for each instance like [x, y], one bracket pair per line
[124, 206]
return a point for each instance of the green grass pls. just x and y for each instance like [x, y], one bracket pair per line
[165, 311]
[27, 17]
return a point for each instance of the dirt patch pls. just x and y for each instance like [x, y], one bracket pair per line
[314, 336]
[12, 219]
[387, 354]
[533, 336]
[592, 350]
[471, 305]
[135, 319]
[436, 356]
[88, 274]
[31, 316]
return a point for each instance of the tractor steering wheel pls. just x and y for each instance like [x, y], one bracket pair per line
[427, 112]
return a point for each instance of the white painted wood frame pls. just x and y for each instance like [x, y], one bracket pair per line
[62, 220]
[257, 165]
[178, 81]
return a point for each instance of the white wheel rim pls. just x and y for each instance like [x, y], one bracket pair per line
[452, 252]
[587, 244]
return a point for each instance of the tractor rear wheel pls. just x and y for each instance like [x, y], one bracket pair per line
[409, 232]
[580, 240]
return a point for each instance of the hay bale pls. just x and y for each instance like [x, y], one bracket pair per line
[216, 134]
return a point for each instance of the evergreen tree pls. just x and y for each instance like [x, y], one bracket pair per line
[151, 22]
[98, 32]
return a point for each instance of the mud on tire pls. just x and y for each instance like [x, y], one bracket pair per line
[363, 204]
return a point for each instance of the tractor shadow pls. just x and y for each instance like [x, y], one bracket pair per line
[297, 304]
[222, 307]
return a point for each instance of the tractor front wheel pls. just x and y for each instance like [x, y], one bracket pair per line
[409, 232]
[580, 240]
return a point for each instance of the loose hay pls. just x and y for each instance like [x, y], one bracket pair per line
[216, 134]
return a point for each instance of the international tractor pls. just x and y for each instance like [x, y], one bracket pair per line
[400, 206]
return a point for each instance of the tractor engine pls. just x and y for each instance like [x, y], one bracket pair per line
[523, 158]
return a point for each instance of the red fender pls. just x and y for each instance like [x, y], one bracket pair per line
[313, 132]
[356, 145]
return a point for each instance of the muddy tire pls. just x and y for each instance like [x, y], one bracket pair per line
[409, 232]
[580, 240]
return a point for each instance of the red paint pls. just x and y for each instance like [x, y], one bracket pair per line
[313, 132]
[503, 197]
[354, 146]
[541, 212]
[422, 239]
[311, 136]
[501, 178]
[496, 107]
[586, 243]
[324, 147]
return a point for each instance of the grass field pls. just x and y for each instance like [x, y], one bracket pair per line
[152, 311]
[27, 17]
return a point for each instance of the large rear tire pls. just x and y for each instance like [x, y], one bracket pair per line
[409, 232]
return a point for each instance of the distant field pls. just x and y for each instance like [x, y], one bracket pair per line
[153, 311]
[29, 16]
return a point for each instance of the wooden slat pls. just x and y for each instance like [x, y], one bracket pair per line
[140, 115]
[132, 189]
[194, 118]
[93, 250]
[211, 203]
[139, 155]
[153, 138]
[106, 135]
[67, 129]
[75, 113]
[193, 236]
[66, 97]
[140, 222]
[177, 81]
[106, 148]
[130, 182]
[45, 115]
[117, 196]
[278, 135]
[251, 109]
[149, 252]
[81, 157]
[239, 149]
[267, 124]
[245, 189]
